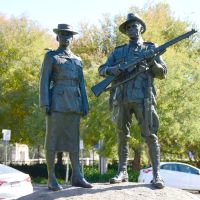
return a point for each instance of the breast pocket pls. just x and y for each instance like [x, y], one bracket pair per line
[138, 82]
[66, 69]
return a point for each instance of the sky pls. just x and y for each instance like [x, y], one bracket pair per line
[49, 13]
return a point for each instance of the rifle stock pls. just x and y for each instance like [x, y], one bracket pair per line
[100, 87]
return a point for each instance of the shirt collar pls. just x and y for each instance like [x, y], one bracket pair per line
[64, 51]
[133, 43]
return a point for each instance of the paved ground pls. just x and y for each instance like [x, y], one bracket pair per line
[122, 191]
[43, 187]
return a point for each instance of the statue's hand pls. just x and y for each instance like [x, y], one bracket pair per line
[113, 71]
[150, 56]
[85, 112]
[47, 110]
[157, 70]
[142, 66]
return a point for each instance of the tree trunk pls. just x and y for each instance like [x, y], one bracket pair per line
[60, 158]
[136, 161]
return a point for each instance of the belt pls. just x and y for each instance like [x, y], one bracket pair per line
[66, 82]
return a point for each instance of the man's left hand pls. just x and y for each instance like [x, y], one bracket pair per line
[85, 112]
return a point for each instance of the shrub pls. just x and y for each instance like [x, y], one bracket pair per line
[38, 173]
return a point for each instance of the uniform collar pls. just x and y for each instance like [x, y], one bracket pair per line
[135, 43]
[64, 51]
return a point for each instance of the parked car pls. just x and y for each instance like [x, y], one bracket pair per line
[174, 174]
[13, 183]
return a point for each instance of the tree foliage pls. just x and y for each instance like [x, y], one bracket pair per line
[22, 44]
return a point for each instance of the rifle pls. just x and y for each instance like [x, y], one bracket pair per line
[131, 65]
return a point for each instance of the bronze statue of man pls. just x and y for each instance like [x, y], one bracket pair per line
[129, 98]
[63, 98]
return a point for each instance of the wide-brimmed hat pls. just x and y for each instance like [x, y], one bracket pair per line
[64, 27]
[132, 17]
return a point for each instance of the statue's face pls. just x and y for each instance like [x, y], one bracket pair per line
[133, 29]
[64, 38]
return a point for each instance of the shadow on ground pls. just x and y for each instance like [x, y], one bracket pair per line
[105, 191]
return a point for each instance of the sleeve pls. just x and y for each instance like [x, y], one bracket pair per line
[45, 79]
[110, 61]
[159, 68]
[85, 104]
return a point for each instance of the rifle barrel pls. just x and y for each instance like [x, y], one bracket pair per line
[175, 40]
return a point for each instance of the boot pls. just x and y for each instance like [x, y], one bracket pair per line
[154, 153]
[77, 179]
[52, 182]
[158, 182]
[122, 174]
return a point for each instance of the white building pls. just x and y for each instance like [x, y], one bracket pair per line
[19, 153]
[14, 153]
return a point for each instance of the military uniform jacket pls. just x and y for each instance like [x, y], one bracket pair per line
[62, 83]
[134, 90]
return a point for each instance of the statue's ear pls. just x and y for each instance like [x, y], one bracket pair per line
[141, 29]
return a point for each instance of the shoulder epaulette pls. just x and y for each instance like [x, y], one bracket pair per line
[76, 57]
[47, 49]
[49, 52]
[120, 46]
[151, 43]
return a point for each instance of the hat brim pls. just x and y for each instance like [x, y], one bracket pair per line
[122, 27]
[56, 30]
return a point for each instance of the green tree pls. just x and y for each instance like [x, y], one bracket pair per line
[22, 44]
[21, 51]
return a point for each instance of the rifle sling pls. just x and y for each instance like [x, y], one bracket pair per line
[135, 75]
[122, 82]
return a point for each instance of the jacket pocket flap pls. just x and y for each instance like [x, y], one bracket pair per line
[60, 91]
